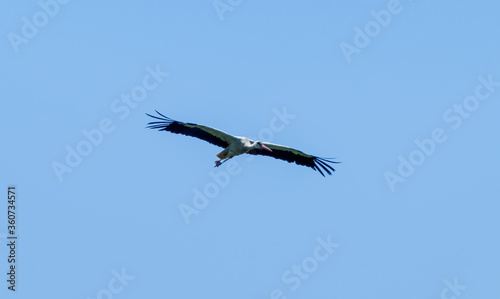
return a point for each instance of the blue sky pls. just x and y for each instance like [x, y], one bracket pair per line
[404, 93]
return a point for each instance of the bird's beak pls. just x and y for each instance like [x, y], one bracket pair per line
[266, 148]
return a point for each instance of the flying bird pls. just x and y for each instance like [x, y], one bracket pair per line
[235, 145]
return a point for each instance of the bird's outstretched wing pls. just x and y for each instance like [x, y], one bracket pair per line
[214, 136]
[292, 155]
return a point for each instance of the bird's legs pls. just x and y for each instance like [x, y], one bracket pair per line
[219, 163]
[223, 157]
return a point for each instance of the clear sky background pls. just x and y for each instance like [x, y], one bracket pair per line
[405, 94]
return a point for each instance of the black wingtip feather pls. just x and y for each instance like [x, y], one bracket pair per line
[318, 169]
[322, 163]
[324, 166]
[161, 125]
[164, 123]
[165, 117]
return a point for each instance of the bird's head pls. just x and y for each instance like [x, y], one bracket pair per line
[260, 145]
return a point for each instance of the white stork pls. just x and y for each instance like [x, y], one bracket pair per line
[235, 145]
